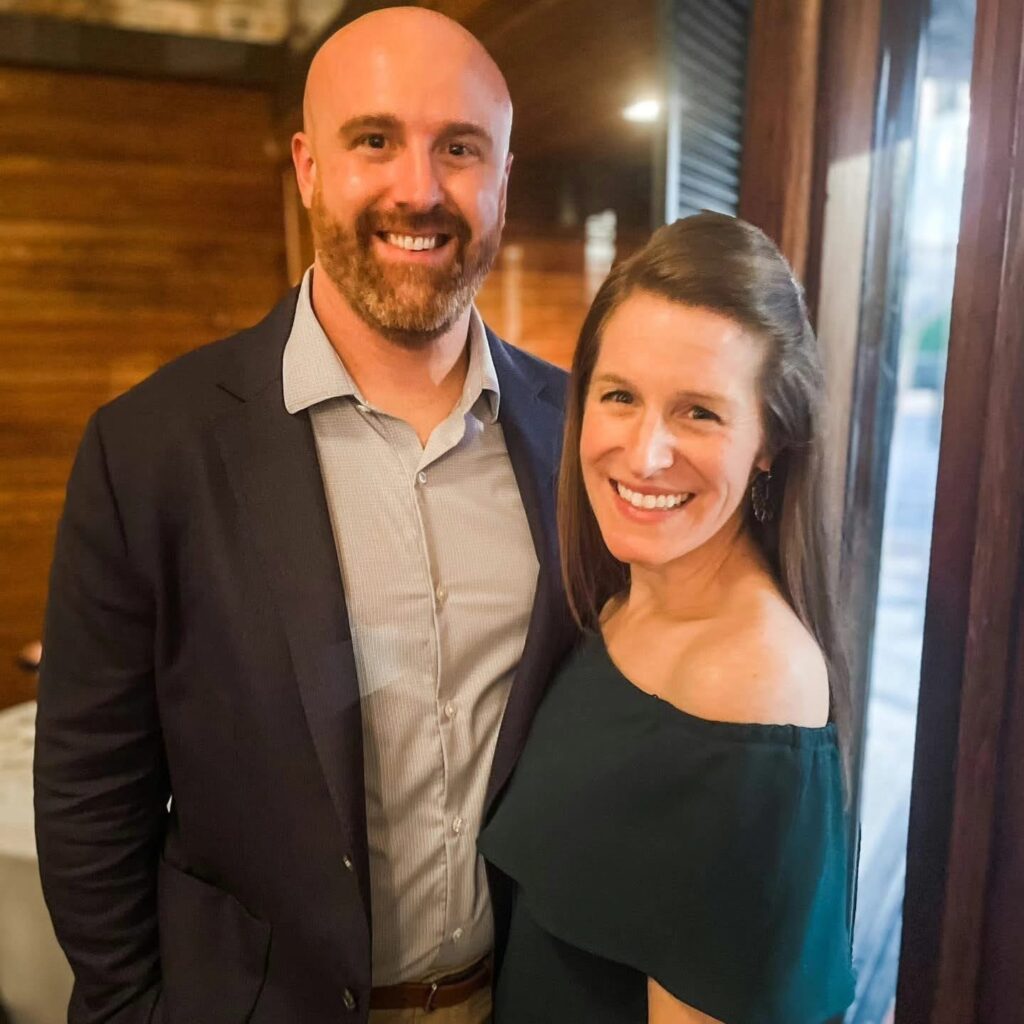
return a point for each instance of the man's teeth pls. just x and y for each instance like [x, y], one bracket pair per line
[638, 500]
[414, 242]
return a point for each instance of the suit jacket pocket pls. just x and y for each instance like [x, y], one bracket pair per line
[213, 952]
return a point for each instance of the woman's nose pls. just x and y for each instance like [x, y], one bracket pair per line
[652, 448]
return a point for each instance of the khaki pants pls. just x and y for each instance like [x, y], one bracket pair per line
[474, 1010]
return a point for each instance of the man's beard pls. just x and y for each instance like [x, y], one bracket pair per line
[411, 304]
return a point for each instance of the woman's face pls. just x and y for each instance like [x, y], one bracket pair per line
[671, 429]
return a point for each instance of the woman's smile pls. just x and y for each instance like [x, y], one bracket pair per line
[646, 505]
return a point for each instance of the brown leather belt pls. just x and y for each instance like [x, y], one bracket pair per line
[433, 995]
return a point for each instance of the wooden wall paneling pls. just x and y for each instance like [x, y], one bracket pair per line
[962, 958]
[108, 118]
[138, 219]
[778, 133]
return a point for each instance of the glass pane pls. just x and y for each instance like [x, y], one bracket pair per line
[931, 238]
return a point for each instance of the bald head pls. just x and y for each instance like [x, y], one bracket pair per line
[408, 44]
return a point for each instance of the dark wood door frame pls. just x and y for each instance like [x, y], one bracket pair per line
[962, 958]
[779, 122]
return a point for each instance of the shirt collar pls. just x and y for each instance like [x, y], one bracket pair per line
[312, 371]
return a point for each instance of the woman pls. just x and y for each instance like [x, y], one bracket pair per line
[675, 829]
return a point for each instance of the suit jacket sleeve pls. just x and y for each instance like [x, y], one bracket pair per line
[101, 785]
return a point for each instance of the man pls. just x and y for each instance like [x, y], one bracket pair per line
[305, 596]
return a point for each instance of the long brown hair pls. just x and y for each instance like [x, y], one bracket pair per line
[731, 268]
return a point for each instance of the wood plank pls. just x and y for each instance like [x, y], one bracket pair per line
[77, 191]
[108, 118]
[137, 220]
[779, 119]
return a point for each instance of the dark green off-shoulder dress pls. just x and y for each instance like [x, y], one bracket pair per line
[644, 841]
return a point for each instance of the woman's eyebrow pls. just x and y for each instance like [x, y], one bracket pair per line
[612, 378]
[696, 396]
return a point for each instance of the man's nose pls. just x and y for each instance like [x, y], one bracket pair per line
[652, 447]
[416, 183]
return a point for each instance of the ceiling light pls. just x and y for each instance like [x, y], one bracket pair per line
[642, 110]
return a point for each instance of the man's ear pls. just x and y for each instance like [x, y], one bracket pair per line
[305, 167]
[504, 191]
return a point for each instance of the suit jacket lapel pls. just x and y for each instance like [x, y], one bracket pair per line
[532, 425]
[271, 460]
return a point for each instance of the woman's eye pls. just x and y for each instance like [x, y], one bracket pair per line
[618, 396]
[698, 412]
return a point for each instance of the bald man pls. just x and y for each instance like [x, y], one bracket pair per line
[305, 597]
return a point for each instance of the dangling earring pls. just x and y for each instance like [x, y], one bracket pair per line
[760, 496]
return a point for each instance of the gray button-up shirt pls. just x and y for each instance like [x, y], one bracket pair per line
[439, 571]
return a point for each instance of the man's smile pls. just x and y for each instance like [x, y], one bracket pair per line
[434, 248]
[413, 243]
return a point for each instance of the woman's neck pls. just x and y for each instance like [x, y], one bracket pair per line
[702, 583]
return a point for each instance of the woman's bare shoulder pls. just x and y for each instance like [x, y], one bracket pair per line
[757, 664]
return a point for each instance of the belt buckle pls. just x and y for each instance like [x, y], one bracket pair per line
[428, 1006]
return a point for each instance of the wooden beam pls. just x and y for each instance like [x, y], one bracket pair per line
[839, 207]
[778, 136]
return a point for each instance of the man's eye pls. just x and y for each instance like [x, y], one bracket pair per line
[618, 396]
[373, 141]
[459, 149]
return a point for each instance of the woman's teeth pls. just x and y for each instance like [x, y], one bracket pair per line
[638, 500]
[415, 243]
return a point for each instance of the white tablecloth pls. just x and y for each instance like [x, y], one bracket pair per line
[35, 980]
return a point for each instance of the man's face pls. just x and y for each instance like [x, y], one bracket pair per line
[409, 165]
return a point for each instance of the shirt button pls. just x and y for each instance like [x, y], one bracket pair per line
[362, 407]
[348, 999]
[457, 825]
[347, 861]
[456, 935]
[440, 593]
[450, 709]
[422, 477]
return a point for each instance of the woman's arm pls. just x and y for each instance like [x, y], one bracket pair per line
[663, 1008]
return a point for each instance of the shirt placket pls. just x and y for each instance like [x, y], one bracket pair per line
[456, 831]
[419, 465]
